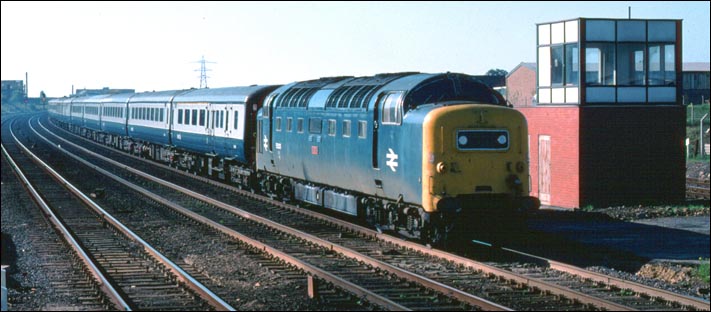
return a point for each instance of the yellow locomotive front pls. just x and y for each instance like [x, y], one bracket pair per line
[474, 166]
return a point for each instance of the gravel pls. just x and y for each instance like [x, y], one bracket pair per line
[679, 278]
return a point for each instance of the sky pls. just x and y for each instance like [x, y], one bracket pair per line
[158, 45]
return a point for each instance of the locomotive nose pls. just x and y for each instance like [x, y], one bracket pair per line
[473, 150]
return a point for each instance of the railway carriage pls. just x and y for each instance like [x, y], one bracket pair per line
[76, 113]
[114, 111]
[60, 109]
[91, 106]
[218, 124]
[148, 123]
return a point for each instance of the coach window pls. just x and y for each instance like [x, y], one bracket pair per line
[234, 125]
[180, 116]
[289, 121]
[194, 117]
[162, 113]
[392, 108]
[278, 124]
[202, 117]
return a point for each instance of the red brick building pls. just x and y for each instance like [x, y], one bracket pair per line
[521, 85]
[608, 127]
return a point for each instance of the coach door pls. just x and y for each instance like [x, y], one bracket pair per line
[216, 128]
[544, 169]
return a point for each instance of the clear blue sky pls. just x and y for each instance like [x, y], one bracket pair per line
[154, 46]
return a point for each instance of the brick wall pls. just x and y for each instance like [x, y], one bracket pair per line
[561, 124]
[632, 155]
[521, 86]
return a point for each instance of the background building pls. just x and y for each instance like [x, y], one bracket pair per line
[13, 90]
[521, 85]
[608, 127]
[696, 82]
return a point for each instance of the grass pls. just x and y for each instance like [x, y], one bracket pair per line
[703, 271]
[692, 126]
[588, 208]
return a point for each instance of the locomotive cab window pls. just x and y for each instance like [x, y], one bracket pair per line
[392, 108]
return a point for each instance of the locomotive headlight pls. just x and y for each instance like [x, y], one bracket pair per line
[501, 139]
[441, 167]
[463, 140]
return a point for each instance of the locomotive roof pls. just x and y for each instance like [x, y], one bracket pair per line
[360, 92]
[229, 94]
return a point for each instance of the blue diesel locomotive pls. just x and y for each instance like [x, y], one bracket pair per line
[422, 154]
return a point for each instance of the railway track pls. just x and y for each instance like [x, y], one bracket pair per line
[306, 253]
[136, 210]
[131, 273]
[454, 274]
[697, 188]
[62, 271]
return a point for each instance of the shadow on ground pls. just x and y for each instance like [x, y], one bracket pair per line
[590, 239]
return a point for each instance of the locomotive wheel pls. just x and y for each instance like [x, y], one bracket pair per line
[437, 231]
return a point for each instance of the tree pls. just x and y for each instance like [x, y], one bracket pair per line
[497, 72]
